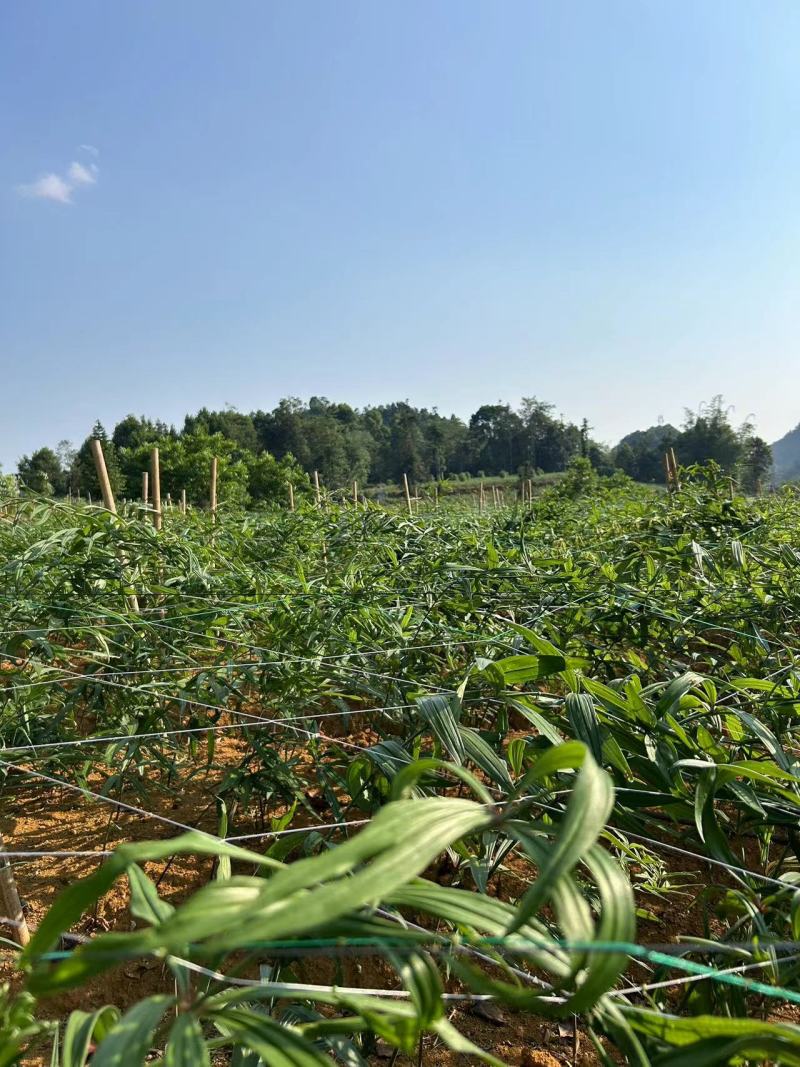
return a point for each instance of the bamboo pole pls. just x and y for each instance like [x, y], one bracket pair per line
[145, 487]
[674, 462]
[408, 494]
[481, 498]
[102, 476]
[183, 501]
[317, 492]
[10, 902]
[436, 497]
[213, 494]
[355, 492]
[290, 487]
[155, 475]
[108, 499]
[668, 471]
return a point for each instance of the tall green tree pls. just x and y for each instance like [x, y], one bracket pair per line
[42, 473]
[756, 465]
[86, 473]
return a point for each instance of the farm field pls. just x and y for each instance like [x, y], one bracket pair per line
[343, 784]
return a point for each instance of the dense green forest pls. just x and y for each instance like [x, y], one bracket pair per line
[260, 452]
[786, 453]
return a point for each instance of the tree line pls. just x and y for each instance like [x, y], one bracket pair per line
[260, 452]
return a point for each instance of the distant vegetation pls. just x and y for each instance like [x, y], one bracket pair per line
[259, 453]
[786, 454]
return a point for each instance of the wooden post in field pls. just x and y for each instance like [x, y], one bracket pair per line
[10, 902]
[674, 463]
[108, 499]
[102, 476]
[481, 497]
[407, 493]
[169, 502]
[317, 492]
[355, 492]
[436, 497]
[213, 494]
[183, 501]
[145, 487]
[155, 475]
[530, 490]
[290, 487]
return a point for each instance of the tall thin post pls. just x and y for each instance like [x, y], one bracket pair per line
[436, 497]
[183, 501]
[317, 492]
[213, 495]
[355, 492]
[481, 498]
[102, 476]
[108, 498]
[155, 475]
[530, 490]
[10, 902]
[674, 463]
[408, 493]
[290, 487]
[145, 487]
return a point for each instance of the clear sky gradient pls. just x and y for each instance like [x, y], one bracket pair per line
[454, 202]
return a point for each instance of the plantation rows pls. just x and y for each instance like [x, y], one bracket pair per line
[344, 784]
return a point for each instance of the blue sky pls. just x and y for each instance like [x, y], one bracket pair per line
[454, 202]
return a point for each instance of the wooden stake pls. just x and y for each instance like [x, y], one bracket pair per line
[530, 490]
[317, 493]
[213, 496]
[674, 462]
[290, 487]
[408, 494]
[355, 492]
[10, 902]
[108, 499]
[155, 475]
[481, 498]
[183, 501]
[145, 487]
[436, 497]
[102, 476]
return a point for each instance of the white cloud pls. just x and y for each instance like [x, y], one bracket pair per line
[50, 187]
[90, 148]
[80, 175]
[59, 187]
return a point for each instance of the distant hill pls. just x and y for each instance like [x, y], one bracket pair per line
[786, 454]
